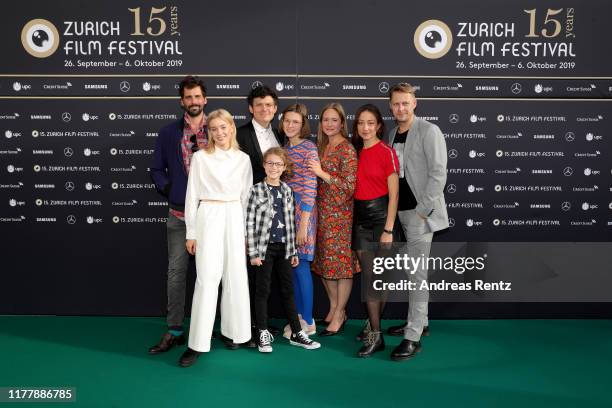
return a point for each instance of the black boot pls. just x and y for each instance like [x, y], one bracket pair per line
[363, 334]
[373, 343]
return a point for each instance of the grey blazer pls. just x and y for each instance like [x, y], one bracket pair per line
[425, 158]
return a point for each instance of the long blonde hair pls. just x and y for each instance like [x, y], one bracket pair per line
[322, 138]
[227, 118]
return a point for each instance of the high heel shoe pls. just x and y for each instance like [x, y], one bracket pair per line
[326, 333]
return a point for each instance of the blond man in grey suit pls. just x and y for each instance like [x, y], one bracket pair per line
[421, 150]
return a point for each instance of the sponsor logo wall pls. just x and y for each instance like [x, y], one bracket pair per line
[522, 94]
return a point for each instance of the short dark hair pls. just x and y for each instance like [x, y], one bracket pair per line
[261, 92]
[190, 82]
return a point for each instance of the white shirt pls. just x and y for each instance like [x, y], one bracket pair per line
[265, 137]
[223, 175]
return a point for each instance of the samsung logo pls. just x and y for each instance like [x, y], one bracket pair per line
[354, 87]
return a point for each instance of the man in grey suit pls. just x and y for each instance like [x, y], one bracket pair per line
[422, 155]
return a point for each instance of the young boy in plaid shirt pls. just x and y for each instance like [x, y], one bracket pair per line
[271, 247]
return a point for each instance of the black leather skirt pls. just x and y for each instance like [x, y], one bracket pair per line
[369, 217]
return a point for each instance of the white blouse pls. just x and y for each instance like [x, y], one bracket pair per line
[223, 175]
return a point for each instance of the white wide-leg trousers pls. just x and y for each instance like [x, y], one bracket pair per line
[220, 257]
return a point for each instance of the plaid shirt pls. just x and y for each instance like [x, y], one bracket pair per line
[259, 220]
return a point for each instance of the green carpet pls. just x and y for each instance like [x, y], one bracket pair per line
[464, 363]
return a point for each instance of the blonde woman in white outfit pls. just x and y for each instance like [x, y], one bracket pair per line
[217, 190]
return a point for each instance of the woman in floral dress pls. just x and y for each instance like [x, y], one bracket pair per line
[337, 172]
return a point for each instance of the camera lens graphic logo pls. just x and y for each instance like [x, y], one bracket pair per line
[40, 38]
[433, 39]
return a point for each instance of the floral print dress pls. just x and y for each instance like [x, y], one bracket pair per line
[333, 256]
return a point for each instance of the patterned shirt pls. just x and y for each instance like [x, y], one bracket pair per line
[201, 136]
[277, 232]
[303, 182]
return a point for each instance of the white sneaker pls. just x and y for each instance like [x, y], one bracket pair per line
[301, 339]
[265, 341]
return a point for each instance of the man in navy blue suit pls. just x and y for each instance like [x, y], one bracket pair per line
[174, 149]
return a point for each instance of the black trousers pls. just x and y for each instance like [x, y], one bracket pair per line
[275, 263]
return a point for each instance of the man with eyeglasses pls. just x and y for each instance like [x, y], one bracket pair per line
[176, 143]
[421, 151]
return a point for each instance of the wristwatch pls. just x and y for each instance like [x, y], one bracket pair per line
[387, 231]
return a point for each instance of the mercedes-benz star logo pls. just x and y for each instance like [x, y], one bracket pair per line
[451, 222]
[565, 206]
[453, 118]
[516, 88]
[71, 219]
[124, 86]
[66, 117]
[452, 153]
[570, 136]
[69, 186]
[451, 188]
[256, 84]
[568, 171]
[68, 152]
[383, 87]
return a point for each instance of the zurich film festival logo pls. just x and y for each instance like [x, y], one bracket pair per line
[40, 38]
[433, 39]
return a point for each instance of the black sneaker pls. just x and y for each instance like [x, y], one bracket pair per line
[265, 341]
[301, 339]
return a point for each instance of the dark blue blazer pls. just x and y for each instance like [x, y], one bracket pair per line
[167, 170]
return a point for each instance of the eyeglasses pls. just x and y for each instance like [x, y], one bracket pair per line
[275, 164]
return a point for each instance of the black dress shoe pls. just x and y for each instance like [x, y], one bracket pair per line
[399, 330]
[189, 357]
[250, 344]
[327, 333]
[167, 342]
[228, 343]
[406, 350]
[322, 322]
[373, 343]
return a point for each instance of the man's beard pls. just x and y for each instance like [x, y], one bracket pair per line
[193, 113]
